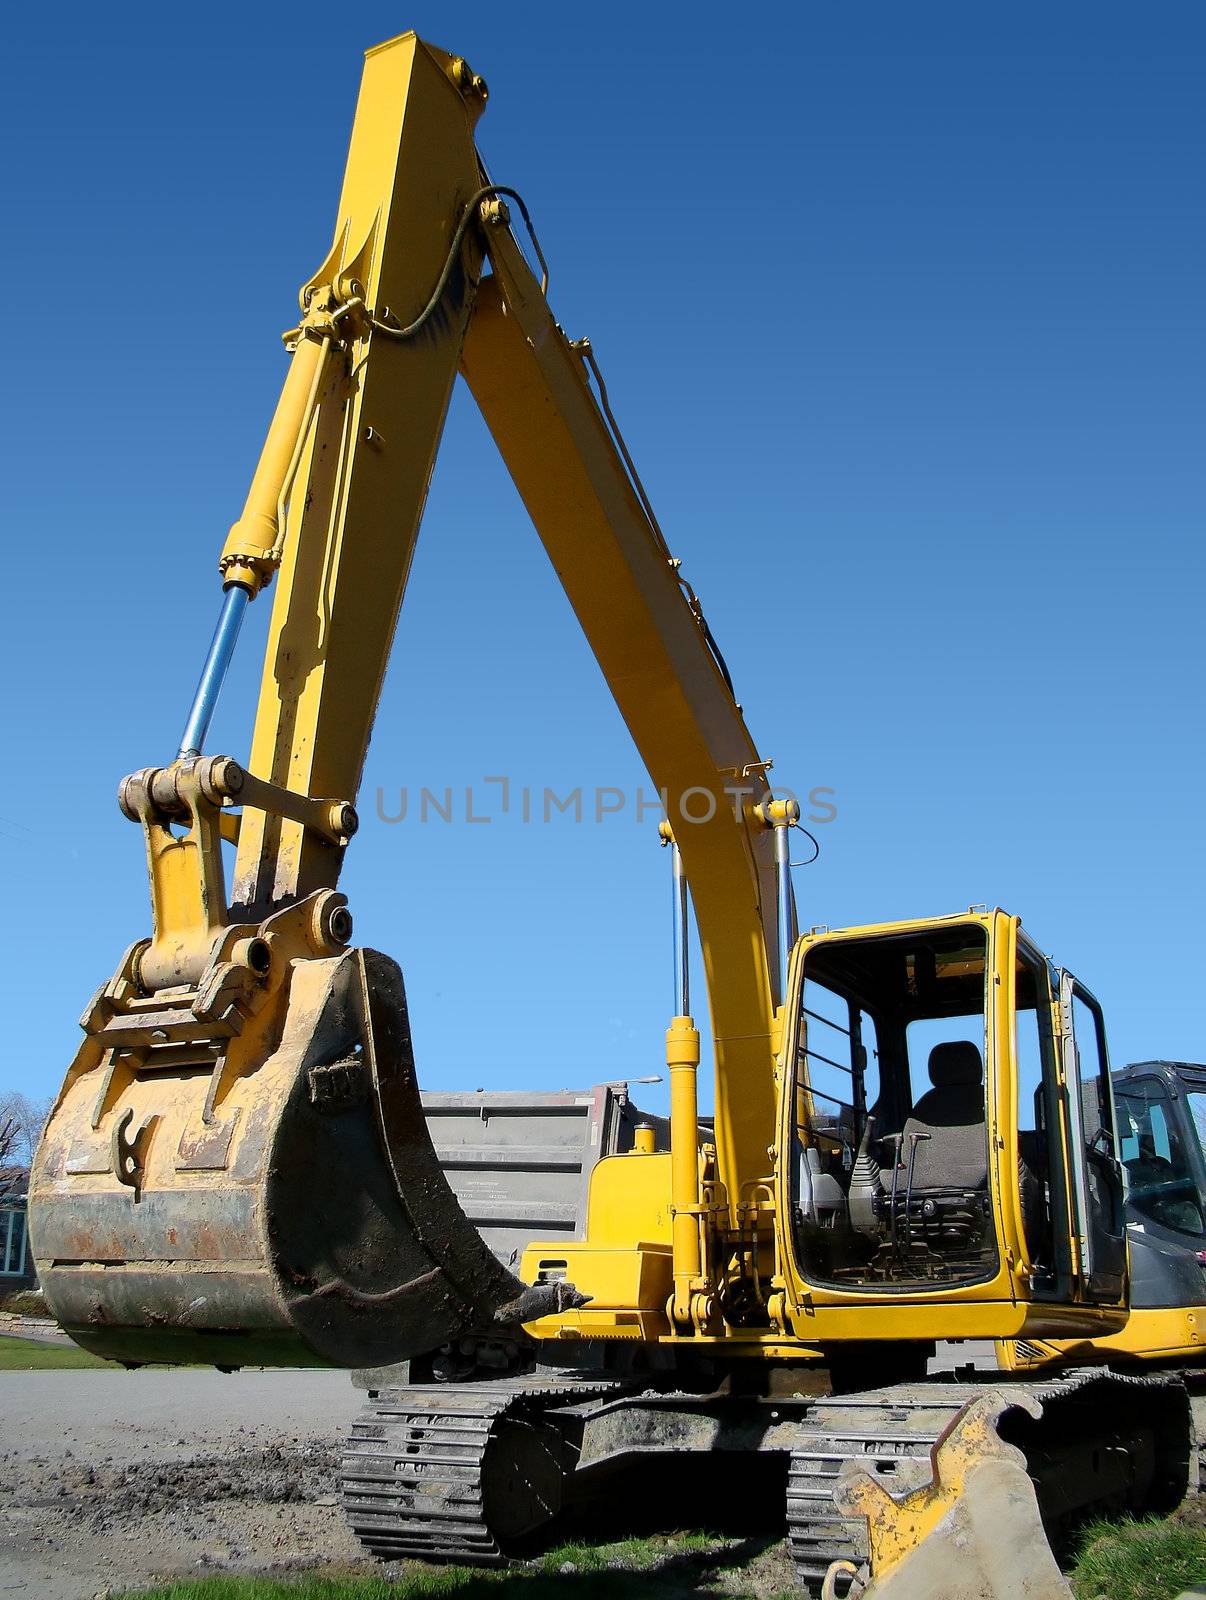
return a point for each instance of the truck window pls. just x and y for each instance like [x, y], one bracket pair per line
[1197, 1112]
[1161, 1186]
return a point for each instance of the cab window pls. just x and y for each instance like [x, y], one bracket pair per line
[1094, 1071]
[1035, 1055]
[889, 1152]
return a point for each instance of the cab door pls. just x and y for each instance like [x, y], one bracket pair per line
[1099, 1220]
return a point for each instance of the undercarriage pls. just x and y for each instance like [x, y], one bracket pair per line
[486, 1472]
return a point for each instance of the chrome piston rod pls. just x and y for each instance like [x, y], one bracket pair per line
[787, 905]
[680, 925]
[682, 955]
[781, 816]
[213, 673]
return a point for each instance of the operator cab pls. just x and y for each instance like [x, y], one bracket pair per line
[891, 1179]
[892, 1038]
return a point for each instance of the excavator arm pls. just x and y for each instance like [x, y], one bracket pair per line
[656, 654]
[237, 1168]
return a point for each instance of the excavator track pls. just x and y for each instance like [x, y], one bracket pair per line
[1101, 1442]
[457, 1473]
[472, 1472]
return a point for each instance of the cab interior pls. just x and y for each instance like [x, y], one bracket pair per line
[890, 1163]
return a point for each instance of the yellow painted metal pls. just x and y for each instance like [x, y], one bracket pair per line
[897, 1525]
[182, 812]
[949, 1314]
[531, 387]
[364, 470]
[1165, 1335]
[250, 555]
[682, 1059]
[184, 864]
[1160, 1333]
[644, 1141]
[630, 1286]
[625, 1263]
[630, 1202]
[779, 813]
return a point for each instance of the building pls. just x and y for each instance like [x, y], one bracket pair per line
[16, 1261]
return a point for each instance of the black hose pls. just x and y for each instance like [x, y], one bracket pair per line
[454, 250]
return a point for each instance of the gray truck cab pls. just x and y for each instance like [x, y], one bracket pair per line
[1161, 1109]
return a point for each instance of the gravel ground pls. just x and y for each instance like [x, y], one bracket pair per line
[103, 1485]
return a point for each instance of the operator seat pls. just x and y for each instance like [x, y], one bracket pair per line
[947, 1203]
[955, 1155]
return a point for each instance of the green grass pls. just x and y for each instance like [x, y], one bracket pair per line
[29, 1355]
[1139, 1560]
[1117, 1561]
[634, 1555]
[445, 1582]
[436, 1583]
[664, 1568]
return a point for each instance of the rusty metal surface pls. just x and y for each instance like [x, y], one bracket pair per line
[289, 1227]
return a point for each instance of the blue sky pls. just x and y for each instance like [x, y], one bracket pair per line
[901, 308]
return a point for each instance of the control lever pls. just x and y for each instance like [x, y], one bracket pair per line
[915, 1139]
[895, 1140]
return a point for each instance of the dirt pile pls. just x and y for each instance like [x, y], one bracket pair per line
[75, 1527]
[108, 1494]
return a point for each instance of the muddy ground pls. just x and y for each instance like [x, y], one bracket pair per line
[103, 1487]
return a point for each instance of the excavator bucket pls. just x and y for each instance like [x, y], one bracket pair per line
[237, 1168]
[970, 1530]
[283, 1205]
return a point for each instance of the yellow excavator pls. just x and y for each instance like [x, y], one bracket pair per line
[237, 1169]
